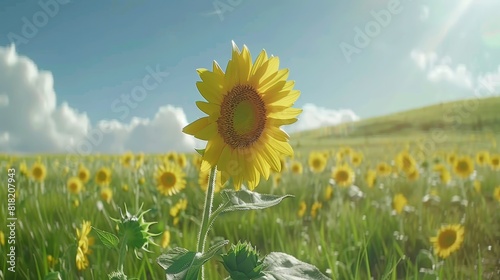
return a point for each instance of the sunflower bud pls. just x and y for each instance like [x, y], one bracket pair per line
[135, 230]
[242, 262]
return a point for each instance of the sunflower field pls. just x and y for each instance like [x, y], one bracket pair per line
[351, 207]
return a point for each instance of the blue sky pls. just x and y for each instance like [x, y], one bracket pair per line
[98, 51]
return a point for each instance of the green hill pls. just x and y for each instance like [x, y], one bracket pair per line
[460, 118]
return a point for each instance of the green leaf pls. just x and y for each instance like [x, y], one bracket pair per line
[281, 266]
[248, 200]
[53, 276]
[107, 238]
[179, 263]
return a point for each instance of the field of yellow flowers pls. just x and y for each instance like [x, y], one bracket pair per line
[359, 211]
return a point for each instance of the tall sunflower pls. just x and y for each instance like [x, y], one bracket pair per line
[74, 185]
[246, 107]
[170, 179]
[103, 176]
[482, 158]
[296, 167]
[448, 240]
[83, 174]
[495, 161]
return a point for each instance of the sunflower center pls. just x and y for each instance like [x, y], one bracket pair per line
[447, 238]
[496, 161]
[463, 166]
[168, 179]
[102, 176]
[73, 186]
[37, 172]
[82, 175]
[316, 163]
[243, 117]
[342, 176]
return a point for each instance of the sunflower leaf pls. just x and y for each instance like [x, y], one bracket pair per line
[179, 263]
[281, 266]
[248, 200]
[107, 238]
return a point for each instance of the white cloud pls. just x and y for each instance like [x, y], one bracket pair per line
[441, 70]
[315, 117]
[32, 121]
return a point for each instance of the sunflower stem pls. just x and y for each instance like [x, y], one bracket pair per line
[122, 254]
[207, 211]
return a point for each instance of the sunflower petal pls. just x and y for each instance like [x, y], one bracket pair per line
[196, 126]
[208, 108]
[211, 93]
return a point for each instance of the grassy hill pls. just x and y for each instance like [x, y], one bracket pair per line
[458, 118]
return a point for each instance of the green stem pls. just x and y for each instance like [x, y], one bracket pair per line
[207, 211]
[122, 253]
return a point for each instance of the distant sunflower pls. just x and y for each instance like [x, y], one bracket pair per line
[106, 194]
[127, 159]
[246, 107]
[451, 158]
[83, 174]
[477, 186]
[356, 159]
[463, 167]
[315, 207]
[405, 162]
[302, 209]
[445, 176]
[181, 160]
[371, 178]
[296, 167]
[413, 175]
[74, 185]
[103, 176]
[38, 172]
[343, 175]
[170, 179]
[496, 193]
[203, 181]
[276, 180]
[482, 158]
[495, 162]
[448, 240]
[383, 169]
[328, 193]
[317, 162]
[399, 202]
[165, 239]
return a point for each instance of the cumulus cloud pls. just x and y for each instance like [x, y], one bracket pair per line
[315, 117]
[33, 122]
[441, 70]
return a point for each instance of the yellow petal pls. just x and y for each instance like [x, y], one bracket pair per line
[196, 126]
[211, 93]
[208, 108]
[259, 62]
[208, 132]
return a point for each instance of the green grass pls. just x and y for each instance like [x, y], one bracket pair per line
[351, 238]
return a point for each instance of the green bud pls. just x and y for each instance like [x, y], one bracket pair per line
[242, 262]
[135, 230]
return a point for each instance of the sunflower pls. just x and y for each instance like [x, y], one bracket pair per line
[477, 186]
[296, 167]
[302, 209]
[127, 159]
[496, 193]
[103, 176]
[448, 240]
[413, 175]
[445, 176]
[463, 167]
[165, 239]
[405, 162]
[371, 178]
[38, 172]
[451, 158]
[328, 193]
[343, 175]
[181, 160]
[399, 202]
[106, 194]
[383, 169]
[276, 180]
[482, 158]
[83, 174]
[495, 162]
[317, 162]
[170, 179]
[74, 185]
[356, 159]
[84, 242]
[171, 156]
[315, 207]
[246, 107]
